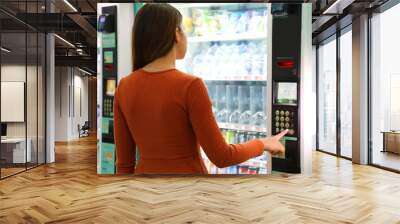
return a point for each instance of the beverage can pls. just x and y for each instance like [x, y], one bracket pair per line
[253, 170]
[230, 135]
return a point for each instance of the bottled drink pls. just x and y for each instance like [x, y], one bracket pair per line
[212, 92]
[258, 104]
[222, 111]
[230, 136]
[233, 105]
[244, 107]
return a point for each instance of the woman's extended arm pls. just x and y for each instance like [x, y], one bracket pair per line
[209, 135]
[125, 146]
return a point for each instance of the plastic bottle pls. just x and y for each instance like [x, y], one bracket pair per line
[242, 23]
[222, 111]
[244, 107]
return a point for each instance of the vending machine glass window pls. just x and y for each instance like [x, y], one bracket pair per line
[227, 48]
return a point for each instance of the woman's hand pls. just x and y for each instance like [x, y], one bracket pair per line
[273, 145]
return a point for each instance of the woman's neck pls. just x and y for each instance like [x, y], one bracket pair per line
[161, 64]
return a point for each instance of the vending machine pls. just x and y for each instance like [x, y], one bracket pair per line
[227, 48]
[253, 60]
[108, 78]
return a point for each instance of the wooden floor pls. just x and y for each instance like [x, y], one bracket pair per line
[70, 192]
[10, 171]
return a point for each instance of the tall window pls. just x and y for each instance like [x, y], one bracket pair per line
[327, 96]
[346, 93]
[385, 89]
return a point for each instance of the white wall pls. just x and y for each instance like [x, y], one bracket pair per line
[12, 73]
[16, 73]
[34, 125]
[61, 103]
[71, 94]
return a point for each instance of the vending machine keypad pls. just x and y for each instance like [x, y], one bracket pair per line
[284, 119]
[108, 109]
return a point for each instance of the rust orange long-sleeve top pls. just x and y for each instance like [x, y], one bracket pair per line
[168, 116]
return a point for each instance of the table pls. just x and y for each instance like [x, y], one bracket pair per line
[13, 150]
[391, 141]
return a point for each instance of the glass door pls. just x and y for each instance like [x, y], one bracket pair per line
[22, 77]
[15, 148]
[227, 48]
[327, 90]
[385, 90]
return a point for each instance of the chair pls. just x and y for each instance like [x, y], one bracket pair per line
[84, 130]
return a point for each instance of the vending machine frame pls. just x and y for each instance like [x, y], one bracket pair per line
[107, 85]
[290, 69]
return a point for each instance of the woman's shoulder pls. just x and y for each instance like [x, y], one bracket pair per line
[186, 76]
[173, 76]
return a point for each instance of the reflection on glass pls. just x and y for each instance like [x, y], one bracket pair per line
[327, 97]
[385, 87]
[346, 94]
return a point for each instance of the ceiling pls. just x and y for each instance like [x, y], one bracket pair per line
[332, 15]
[76, 23]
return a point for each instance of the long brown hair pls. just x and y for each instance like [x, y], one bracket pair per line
[153, 33]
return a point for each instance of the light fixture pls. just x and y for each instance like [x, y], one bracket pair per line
[70, 5]
[84, 71]
[5, 50]
[64, 40]
[338, 6]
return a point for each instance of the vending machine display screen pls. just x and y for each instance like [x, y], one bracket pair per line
[110, 87]
[286, 93]
[108, 57]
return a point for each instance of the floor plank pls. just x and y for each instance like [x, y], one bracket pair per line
[69, 191]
